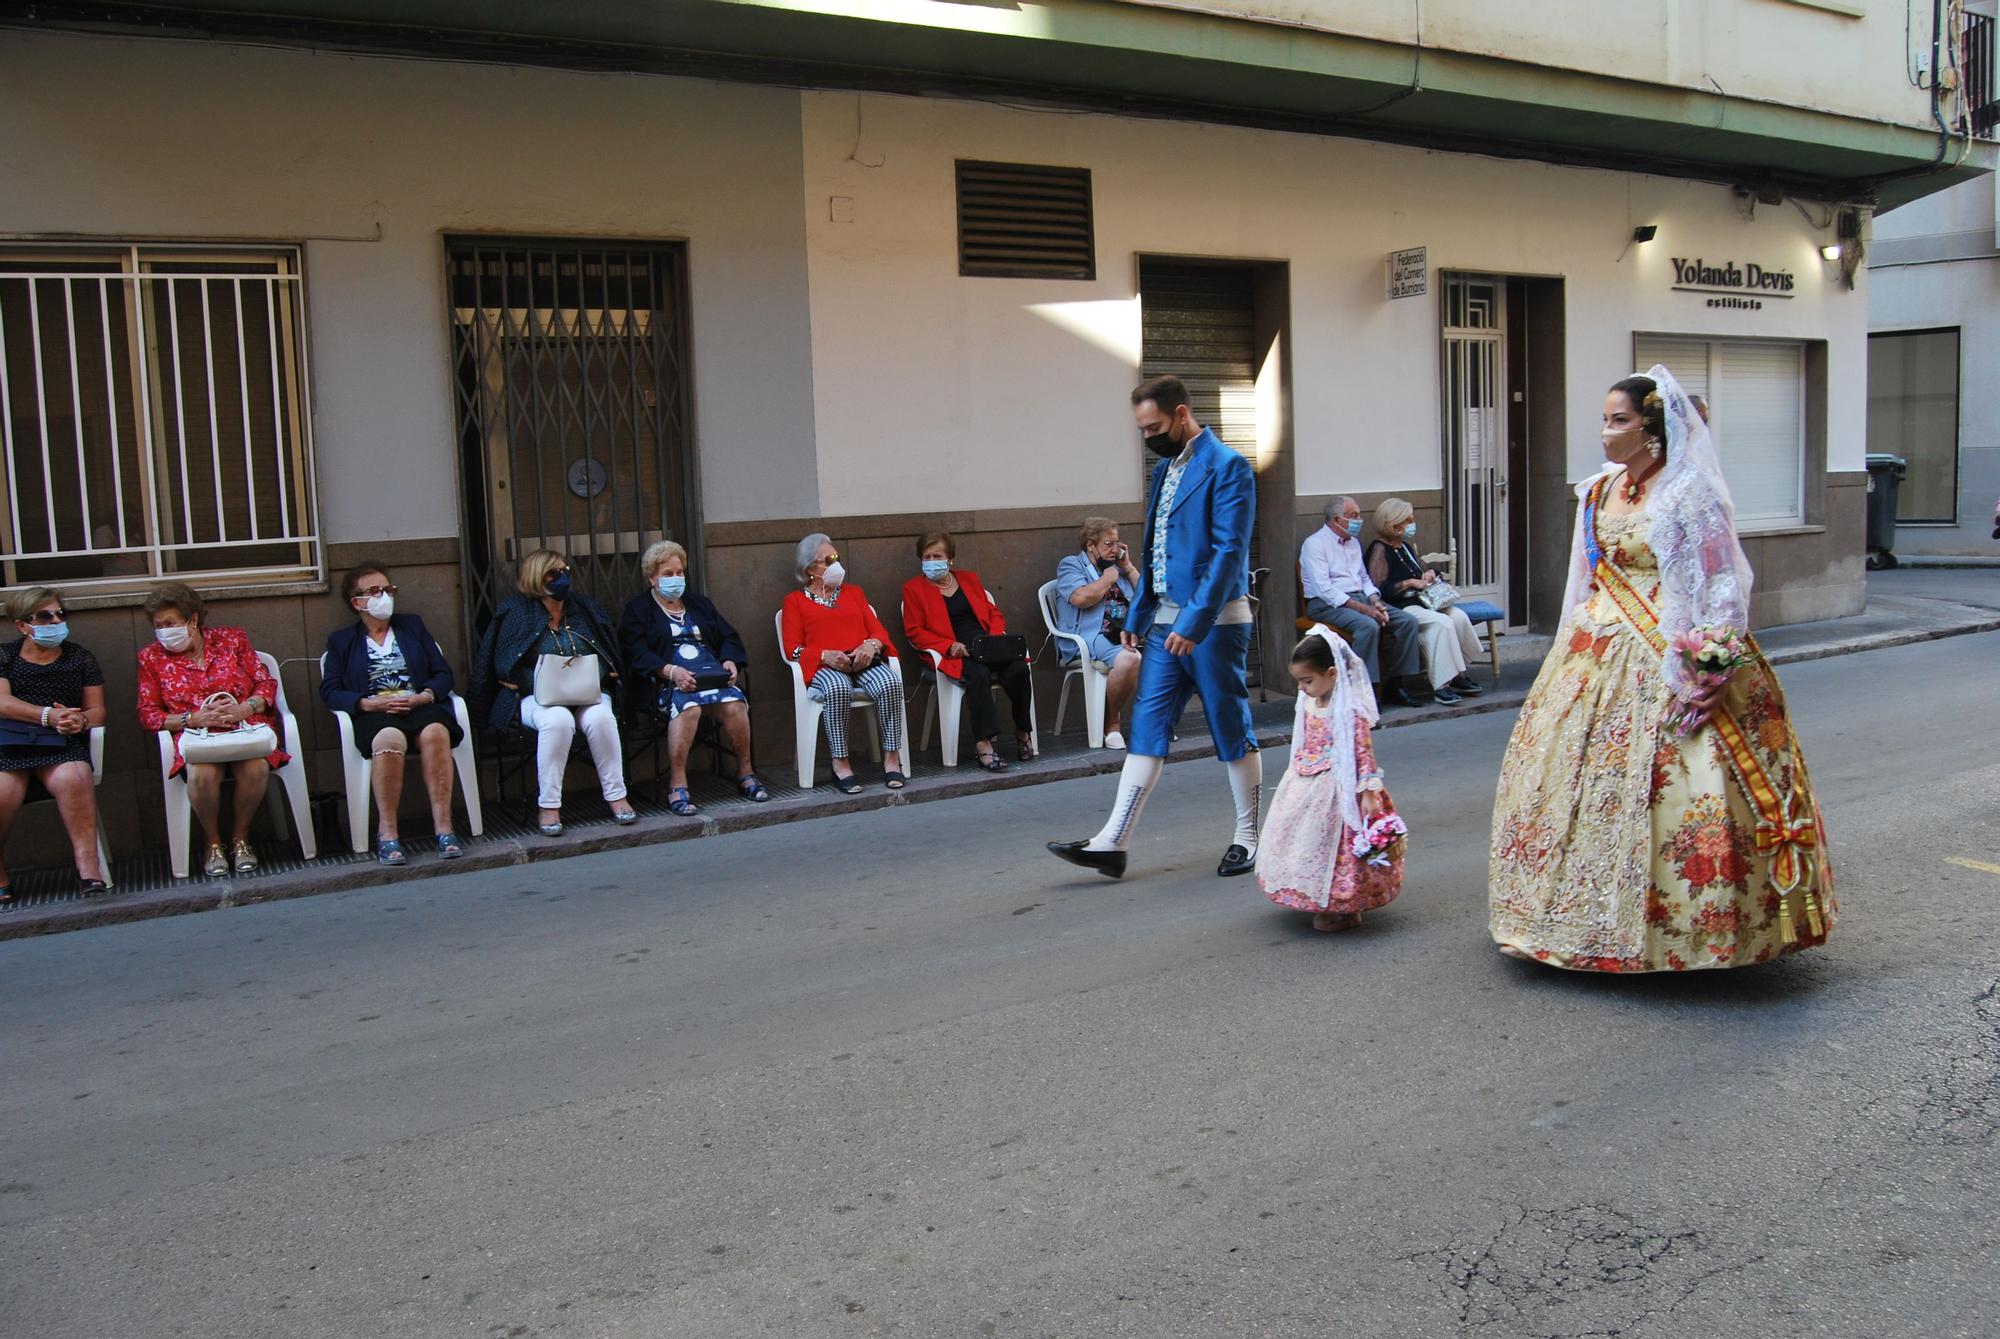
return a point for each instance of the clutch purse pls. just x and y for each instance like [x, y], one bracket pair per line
[28, 735]
[1438, 594]
[996, 647]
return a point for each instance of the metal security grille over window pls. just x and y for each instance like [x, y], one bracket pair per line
[154, 417]
[1019, 221]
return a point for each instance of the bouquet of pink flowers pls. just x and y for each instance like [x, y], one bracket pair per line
[1380, 838]
[1711, 655]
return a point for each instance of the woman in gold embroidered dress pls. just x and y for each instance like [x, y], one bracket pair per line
[1650, 818]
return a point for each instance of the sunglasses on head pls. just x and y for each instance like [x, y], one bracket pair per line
[47, 616]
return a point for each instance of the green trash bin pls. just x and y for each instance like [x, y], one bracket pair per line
[1885, 478]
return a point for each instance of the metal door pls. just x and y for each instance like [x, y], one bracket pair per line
[1475, 434]
[572, 410]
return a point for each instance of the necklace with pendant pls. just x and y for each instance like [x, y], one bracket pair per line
[1635, 485]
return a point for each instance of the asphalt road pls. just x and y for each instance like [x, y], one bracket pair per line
[902, 1073]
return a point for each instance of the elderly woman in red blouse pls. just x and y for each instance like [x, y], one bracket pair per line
[947, 612]
[842, 649]
[188, 663]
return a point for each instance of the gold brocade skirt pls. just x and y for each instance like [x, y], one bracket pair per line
[1619, 846]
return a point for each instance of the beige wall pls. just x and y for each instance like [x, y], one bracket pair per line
[1804, 53]
[935, 391]
[145, 140]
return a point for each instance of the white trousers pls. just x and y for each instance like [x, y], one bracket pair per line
[555, 730]
[1447, 642]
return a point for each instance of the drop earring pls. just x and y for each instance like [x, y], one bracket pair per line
[1653, 446]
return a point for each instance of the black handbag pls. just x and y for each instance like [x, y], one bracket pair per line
[698, 660]
[996, 648]
[28, 735]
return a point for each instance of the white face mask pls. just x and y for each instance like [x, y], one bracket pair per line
[381, 606]
[174, 638]
[834, 575]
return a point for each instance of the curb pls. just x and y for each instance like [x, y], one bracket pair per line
[510, 853]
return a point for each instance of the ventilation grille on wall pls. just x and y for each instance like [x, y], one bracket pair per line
[1019, 221]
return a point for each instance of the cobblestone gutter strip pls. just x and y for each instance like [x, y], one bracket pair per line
[509, 853]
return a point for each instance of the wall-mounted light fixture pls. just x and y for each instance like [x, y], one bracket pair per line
[1831, 251]
[1645, 232]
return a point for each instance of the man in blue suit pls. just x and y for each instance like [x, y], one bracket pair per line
[1191, 622]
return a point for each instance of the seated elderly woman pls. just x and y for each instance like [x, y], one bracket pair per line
[188, 664]
[387, 672]
[549, 662]
[681, 642]
[51, 696]
[948, 612]
[829, 630]
[1444, 636]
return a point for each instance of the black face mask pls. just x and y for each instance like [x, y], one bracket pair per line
[1163, 444]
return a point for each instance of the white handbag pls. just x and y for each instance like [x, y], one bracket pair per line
[567, 681]
[236, 743]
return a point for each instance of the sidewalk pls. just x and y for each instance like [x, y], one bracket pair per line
[1903, 607]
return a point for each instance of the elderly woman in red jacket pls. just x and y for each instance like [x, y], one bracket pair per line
[948, 612]
[842, 649]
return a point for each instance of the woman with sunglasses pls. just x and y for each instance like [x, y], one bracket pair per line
[389, 674]
[550, 620]
[51, 695]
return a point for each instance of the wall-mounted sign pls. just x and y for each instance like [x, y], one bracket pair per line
[1409, 272]
[1743, 285]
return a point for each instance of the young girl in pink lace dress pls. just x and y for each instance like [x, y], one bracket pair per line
[1330, 793]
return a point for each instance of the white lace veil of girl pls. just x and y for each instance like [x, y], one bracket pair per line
[1353, 697]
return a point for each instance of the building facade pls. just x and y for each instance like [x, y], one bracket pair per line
[277, 297]
[1934, 324]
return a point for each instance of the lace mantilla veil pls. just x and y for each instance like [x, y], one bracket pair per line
[1353, 696]
[1704, 575]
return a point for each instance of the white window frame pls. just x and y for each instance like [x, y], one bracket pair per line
[1712, 347]
[151, 308]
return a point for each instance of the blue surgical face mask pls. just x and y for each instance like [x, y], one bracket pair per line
[558, 587]
[1354, 528]
[49, 634]
[672, 588]
[935, 568]
[1410, 530]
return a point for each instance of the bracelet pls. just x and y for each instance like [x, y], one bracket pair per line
[45, 718]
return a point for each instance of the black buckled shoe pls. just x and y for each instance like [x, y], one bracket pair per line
[1236, 860]
[1111, 864]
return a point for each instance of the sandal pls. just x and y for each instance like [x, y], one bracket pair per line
[93, 887]
[6, 897]
[893, 780]
[448, 846]
[1027, 751]
[849, 784]
[993, 762]
[390, 852]
[680, 802]
[752, 788]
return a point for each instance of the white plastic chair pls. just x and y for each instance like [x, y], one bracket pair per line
[291, 777]
[1094, 674]
[807, 709]
[947, 699]
[358, 773]
[97, 779]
